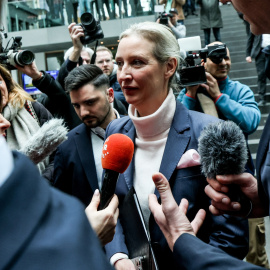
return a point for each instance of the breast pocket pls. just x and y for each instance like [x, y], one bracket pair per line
[189, 183]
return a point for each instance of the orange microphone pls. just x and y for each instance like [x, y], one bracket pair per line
[117, 153]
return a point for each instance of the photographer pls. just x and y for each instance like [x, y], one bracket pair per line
[233, 101]
[80, 55]
[178, 29]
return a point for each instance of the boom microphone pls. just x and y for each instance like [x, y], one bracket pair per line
[223, 151]
[45, 141]
[117, 153]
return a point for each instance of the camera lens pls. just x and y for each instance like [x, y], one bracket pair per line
[88, 21]
[25, 57]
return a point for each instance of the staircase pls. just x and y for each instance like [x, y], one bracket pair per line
[234, 35]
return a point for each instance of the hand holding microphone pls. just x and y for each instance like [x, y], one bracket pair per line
[223, 152]
[117, 154]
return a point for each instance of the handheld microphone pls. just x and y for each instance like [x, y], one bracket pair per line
[117, 153]
[223, 151]
[45, 141]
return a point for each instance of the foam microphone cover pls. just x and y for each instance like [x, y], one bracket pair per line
[45, 141]
[223, 149]
[117, 152]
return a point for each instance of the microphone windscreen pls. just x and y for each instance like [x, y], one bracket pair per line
[117, 152]
[45, 141]
[223, 149]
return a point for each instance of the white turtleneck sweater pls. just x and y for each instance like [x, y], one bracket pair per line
[151, 136]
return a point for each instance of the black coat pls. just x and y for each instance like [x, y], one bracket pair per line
[57, 101]
[43, 228]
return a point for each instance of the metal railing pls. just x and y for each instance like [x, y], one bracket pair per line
[35, 14]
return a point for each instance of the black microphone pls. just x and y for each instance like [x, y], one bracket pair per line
[117, 153]
[223, 151]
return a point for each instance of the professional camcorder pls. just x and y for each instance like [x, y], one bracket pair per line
[192, 74]
[91, 27]
[164, 18]
[10, 57]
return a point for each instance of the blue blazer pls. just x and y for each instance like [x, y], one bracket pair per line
[74, 165]
[229, 234]
[43, 228]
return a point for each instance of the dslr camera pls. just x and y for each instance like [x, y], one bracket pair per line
[10, 57]
[164, 18]
[91, 28]
[192, 74]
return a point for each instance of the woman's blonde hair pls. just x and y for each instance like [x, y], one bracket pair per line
[165, 43]
[16, 95]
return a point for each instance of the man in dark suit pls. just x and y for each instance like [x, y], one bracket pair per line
[255, 45]
[77, 164]
[41, 227]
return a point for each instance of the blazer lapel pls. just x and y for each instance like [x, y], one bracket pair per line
[177, 142]
[128, 174]
[85, 151]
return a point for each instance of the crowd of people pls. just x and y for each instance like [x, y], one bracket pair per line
[50, 213]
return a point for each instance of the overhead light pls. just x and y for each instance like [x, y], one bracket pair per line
[101, 42]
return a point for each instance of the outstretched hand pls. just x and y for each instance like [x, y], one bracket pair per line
[103, 222]
[31, 70]
[170, 217]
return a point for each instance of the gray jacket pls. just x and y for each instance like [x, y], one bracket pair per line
[210, 14]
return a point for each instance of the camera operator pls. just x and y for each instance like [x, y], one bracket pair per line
[76, 55]
[178, 29]
[80, 55]
[230, 100]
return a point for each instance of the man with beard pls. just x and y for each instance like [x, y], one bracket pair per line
[77, 164]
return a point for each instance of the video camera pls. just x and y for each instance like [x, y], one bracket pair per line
[10, 57]
[164, 18]
[91, 27]
[192, 74]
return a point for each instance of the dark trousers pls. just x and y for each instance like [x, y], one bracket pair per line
[260, 64]
[190, 4]
[207, 34]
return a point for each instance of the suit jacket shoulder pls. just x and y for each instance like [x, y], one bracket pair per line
[188, 247]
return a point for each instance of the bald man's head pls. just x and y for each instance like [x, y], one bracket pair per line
[221, 70]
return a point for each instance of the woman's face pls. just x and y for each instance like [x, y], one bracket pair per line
[144, 81]
[4, 91]
[4, 125]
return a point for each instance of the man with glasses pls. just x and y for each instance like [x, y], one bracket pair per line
[104, 60]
